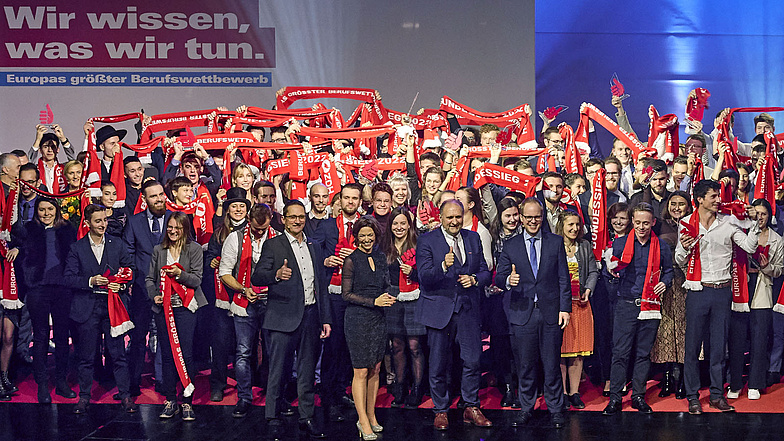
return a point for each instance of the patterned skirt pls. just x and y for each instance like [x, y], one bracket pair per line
[578, 334]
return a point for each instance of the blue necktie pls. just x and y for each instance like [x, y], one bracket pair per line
[156, 230]
[532, 256]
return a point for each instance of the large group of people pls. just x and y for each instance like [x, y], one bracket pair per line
[395, 275]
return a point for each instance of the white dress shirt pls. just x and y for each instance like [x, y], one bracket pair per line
[305, 263]
[230, 249]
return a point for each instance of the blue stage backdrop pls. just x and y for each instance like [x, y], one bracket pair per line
[660, 50]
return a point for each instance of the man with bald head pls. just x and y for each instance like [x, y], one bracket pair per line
[319, 201]
[452, 271]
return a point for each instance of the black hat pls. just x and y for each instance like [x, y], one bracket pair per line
[236, 194]
[107, 132]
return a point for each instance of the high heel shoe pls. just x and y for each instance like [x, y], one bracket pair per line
[377, 428]
[366, 436]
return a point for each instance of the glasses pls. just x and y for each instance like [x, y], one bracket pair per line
[278, 140]
[533, 218]
[294, 217]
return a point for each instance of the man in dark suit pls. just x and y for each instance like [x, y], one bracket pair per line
[87, 261]
[538, 302]
[107, 140]
[298, 314]
[143, 231]
[452, 270]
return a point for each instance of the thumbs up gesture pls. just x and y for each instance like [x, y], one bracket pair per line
[449, 259]
[514, 278]
[284, 272]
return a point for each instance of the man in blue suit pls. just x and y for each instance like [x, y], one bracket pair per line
[87, 261]
[143, 231]
[452, 270]
[538, 302]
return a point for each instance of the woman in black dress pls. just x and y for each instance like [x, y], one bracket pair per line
[365, 286]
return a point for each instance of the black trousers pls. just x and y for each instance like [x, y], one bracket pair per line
[222, 343]
[749, 331]
[336, 372]
[305, 341]
[87, 346]
[629, 332]
[185, 320]
[706, 310]
[42, 301]
[140, 311]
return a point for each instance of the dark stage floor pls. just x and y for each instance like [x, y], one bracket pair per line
[106, 422]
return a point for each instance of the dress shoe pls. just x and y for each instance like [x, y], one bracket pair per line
[695, 408]
[64, 390]
[216, 395]
[312, 429]
[508, 395]
[81, 406]
[6, 384]
[576, 401]
[129, 406]
[441, 422]
[275, 429]
[680, 392]
[335, 414]
[559, 420]
[722, 405]
[613, 407]
[472, 415]
[639, 403]
[666, 385]
[522, 419]
[43, 394]
[241, 409]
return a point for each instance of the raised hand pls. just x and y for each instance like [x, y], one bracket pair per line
[514, 278]
[284, 272]
[449, 259]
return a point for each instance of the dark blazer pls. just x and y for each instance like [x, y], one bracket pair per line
[140, 242]
[587, 268]
[552, 285]
[33, 252]
[438, 291]
[81, 265]
[286, 298]
[192, 270]
[326, 237]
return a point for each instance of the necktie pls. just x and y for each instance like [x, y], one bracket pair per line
[458, 254]
[156, 230]
[532, 256]
[25, 211]
[350, 231]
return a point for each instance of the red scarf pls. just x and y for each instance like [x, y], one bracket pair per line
[650, 307]
[696, 105]
[9, 207]
[119, 320]
[740, 276]
[239, 305]
[598, 210]
[9, 292]
[724, 135]
[409, 289]
[502, 176]
[573, 161]
[118, 179]
[168, 286]
[694, 268]
[590, 112]
[344, 241]
[766, 179]
[59, 185]
[663, 134]
[222, 300]
[202, 210]
[518, 116]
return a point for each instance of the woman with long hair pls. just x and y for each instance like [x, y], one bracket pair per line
[402, 326]
[174, 285]
[115, 218]
[578, 334]
[48, 239]
[365, 286]
[670, 345]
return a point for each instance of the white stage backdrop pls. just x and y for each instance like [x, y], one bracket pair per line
[87, 58]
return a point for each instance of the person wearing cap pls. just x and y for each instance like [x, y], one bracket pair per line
[48, 144]
[221, 326]
[107, 140]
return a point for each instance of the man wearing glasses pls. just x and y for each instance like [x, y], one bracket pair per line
[533, 268]
[28, 173]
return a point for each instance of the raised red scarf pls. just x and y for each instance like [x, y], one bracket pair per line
[409, 289]
[696, 105]
[239, 305]
[694, 267]
[663, 134]
[344, 241]
[59, 185]
[590, 112]
[466, 115]
[766, 179]
[725, 135]
[170, 285]
[495, 174]
[573, 161]
[119, 320]
[598, 210]
[9, 292]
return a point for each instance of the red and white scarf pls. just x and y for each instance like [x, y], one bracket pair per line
[573, 161]
[466, 115]
[502, 176]
[598, 211]
[239, 304]
[59, 185]
[9, 292]
[119, 320]
[202, 210]
[650, 306]
[222, 300]
[694, 267]
[170, 285]
[409, 289]
[590, 112]
[696, 105]
[344, 241]
[9, 207]
[740, 297]
[663, 134]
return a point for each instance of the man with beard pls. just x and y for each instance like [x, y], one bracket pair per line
[550, 197]
[335, 236]
[143, 231]
[656, 192]
[612, 180]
